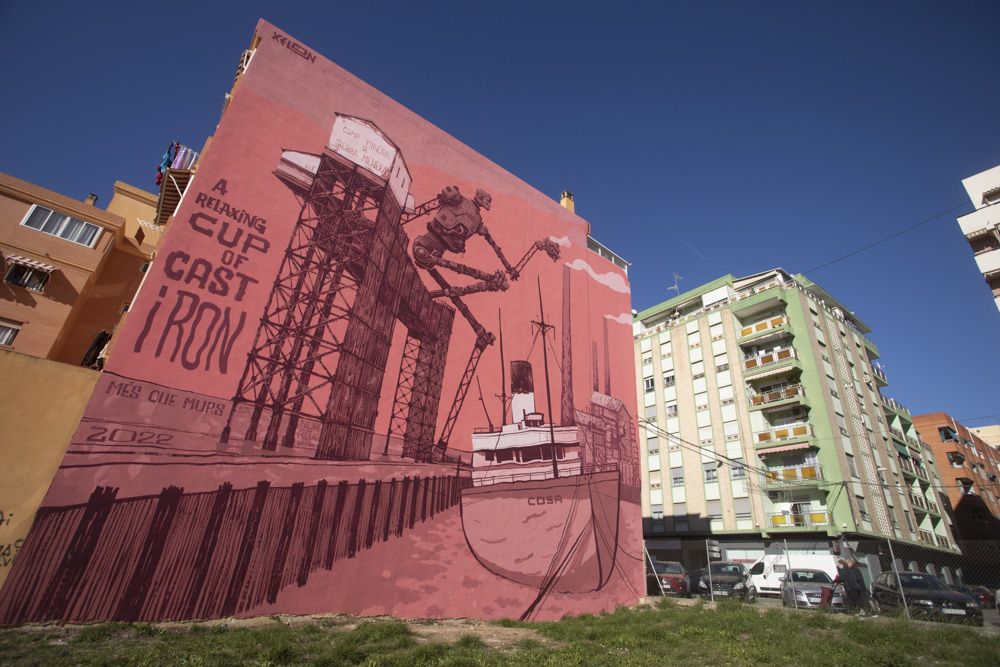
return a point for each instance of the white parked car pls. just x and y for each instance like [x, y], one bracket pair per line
[767, 573]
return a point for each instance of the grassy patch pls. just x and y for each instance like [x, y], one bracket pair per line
[733, 634]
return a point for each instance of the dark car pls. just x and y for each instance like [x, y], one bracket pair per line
[728, 580]
[927, 598]
[668, 576]
[980, 594]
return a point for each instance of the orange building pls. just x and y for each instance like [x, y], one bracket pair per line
[70, 269]
[970, 474]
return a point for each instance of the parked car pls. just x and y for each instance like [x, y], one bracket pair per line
[980, 594]
[669, 576]
[804, 589]
[927, 597]
[766, 573]
[727, 580]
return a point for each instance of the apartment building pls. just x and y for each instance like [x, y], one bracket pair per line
[990, 433]
[970, 471]
[982, 226]
[70, 269]
[765, 422]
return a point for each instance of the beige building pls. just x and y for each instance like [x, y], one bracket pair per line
[982, 226]
[770, 425]
[990, 434]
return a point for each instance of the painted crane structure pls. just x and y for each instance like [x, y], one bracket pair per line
[345, 280]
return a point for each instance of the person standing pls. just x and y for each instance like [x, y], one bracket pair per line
[850, 577]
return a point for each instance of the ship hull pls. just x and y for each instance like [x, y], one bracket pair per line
[555, 533]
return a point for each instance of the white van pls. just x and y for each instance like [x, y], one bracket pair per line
[766, 574]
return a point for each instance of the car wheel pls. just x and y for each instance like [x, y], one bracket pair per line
[751, 595]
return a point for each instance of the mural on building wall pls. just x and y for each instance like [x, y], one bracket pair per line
[351, 383]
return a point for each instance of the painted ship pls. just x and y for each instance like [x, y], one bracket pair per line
[539, 511]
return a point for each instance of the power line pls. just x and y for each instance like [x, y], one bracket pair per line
[886, 238]
[690, 446]
[975, 419]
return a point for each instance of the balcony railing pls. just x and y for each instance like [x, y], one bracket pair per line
[933, 506]
[757, 400]
[907, 466]
[793, 474]
[802, 520]
[918, 501]
[763, 325]
[879, 374]
[942, 541]
[925, 536]
[786, 432]
[895, 405]
[775, 356]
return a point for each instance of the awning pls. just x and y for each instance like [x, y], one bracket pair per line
[785, 448]
[30, 263]
[902, 449]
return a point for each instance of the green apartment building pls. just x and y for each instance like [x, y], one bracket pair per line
[770, 425]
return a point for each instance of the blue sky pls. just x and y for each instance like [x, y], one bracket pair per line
[699, 138]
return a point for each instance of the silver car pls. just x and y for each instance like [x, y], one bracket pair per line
[804, 588]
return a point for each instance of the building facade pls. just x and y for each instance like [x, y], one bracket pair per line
[982, 226]
[970, 471]
[990, 433]
[764, 421]
[70, 269]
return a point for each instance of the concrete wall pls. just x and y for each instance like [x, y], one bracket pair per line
[41, 403]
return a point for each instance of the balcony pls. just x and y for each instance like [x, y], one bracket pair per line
[759, 299]
[779, 398]
[933, 507]
[780, 477]
[880, 379]
[785, 434]
[779, 358]
[988, 261]
[942, 541]
[895, 406]
[804, 520]
[918, 501]
[906, 466]
[175, 180]
[764, 329]
[925, 536]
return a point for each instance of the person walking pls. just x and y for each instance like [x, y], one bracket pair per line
[849, 576]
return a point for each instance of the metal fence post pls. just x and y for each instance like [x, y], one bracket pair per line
[788, 574]
[899, 582]
[708, 568]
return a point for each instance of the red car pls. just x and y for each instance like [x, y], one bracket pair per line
[669, 576]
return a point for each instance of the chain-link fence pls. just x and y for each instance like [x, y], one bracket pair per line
[861, 576]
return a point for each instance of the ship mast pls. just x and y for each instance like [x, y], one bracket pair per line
[503, 375]
[544, 328]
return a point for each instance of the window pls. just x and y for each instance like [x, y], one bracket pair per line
[48, 221]
[698, 376]
[8, 331]
[671, 410]
[668, 380]
[851, 466]
[711, 472]
[862, 510]
[738, 470]
[677, 476]
[648, 384]
[28, 278]
[722, 369]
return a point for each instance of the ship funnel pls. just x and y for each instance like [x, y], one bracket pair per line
[522, 389]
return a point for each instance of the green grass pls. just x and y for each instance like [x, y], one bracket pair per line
[731, 635]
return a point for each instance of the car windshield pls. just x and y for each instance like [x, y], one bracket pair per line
[668, 568]
[810, 577]
[726, 568]
[922, 582]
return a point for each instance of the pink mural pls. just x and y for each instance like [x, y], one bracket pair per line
[370, 372]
